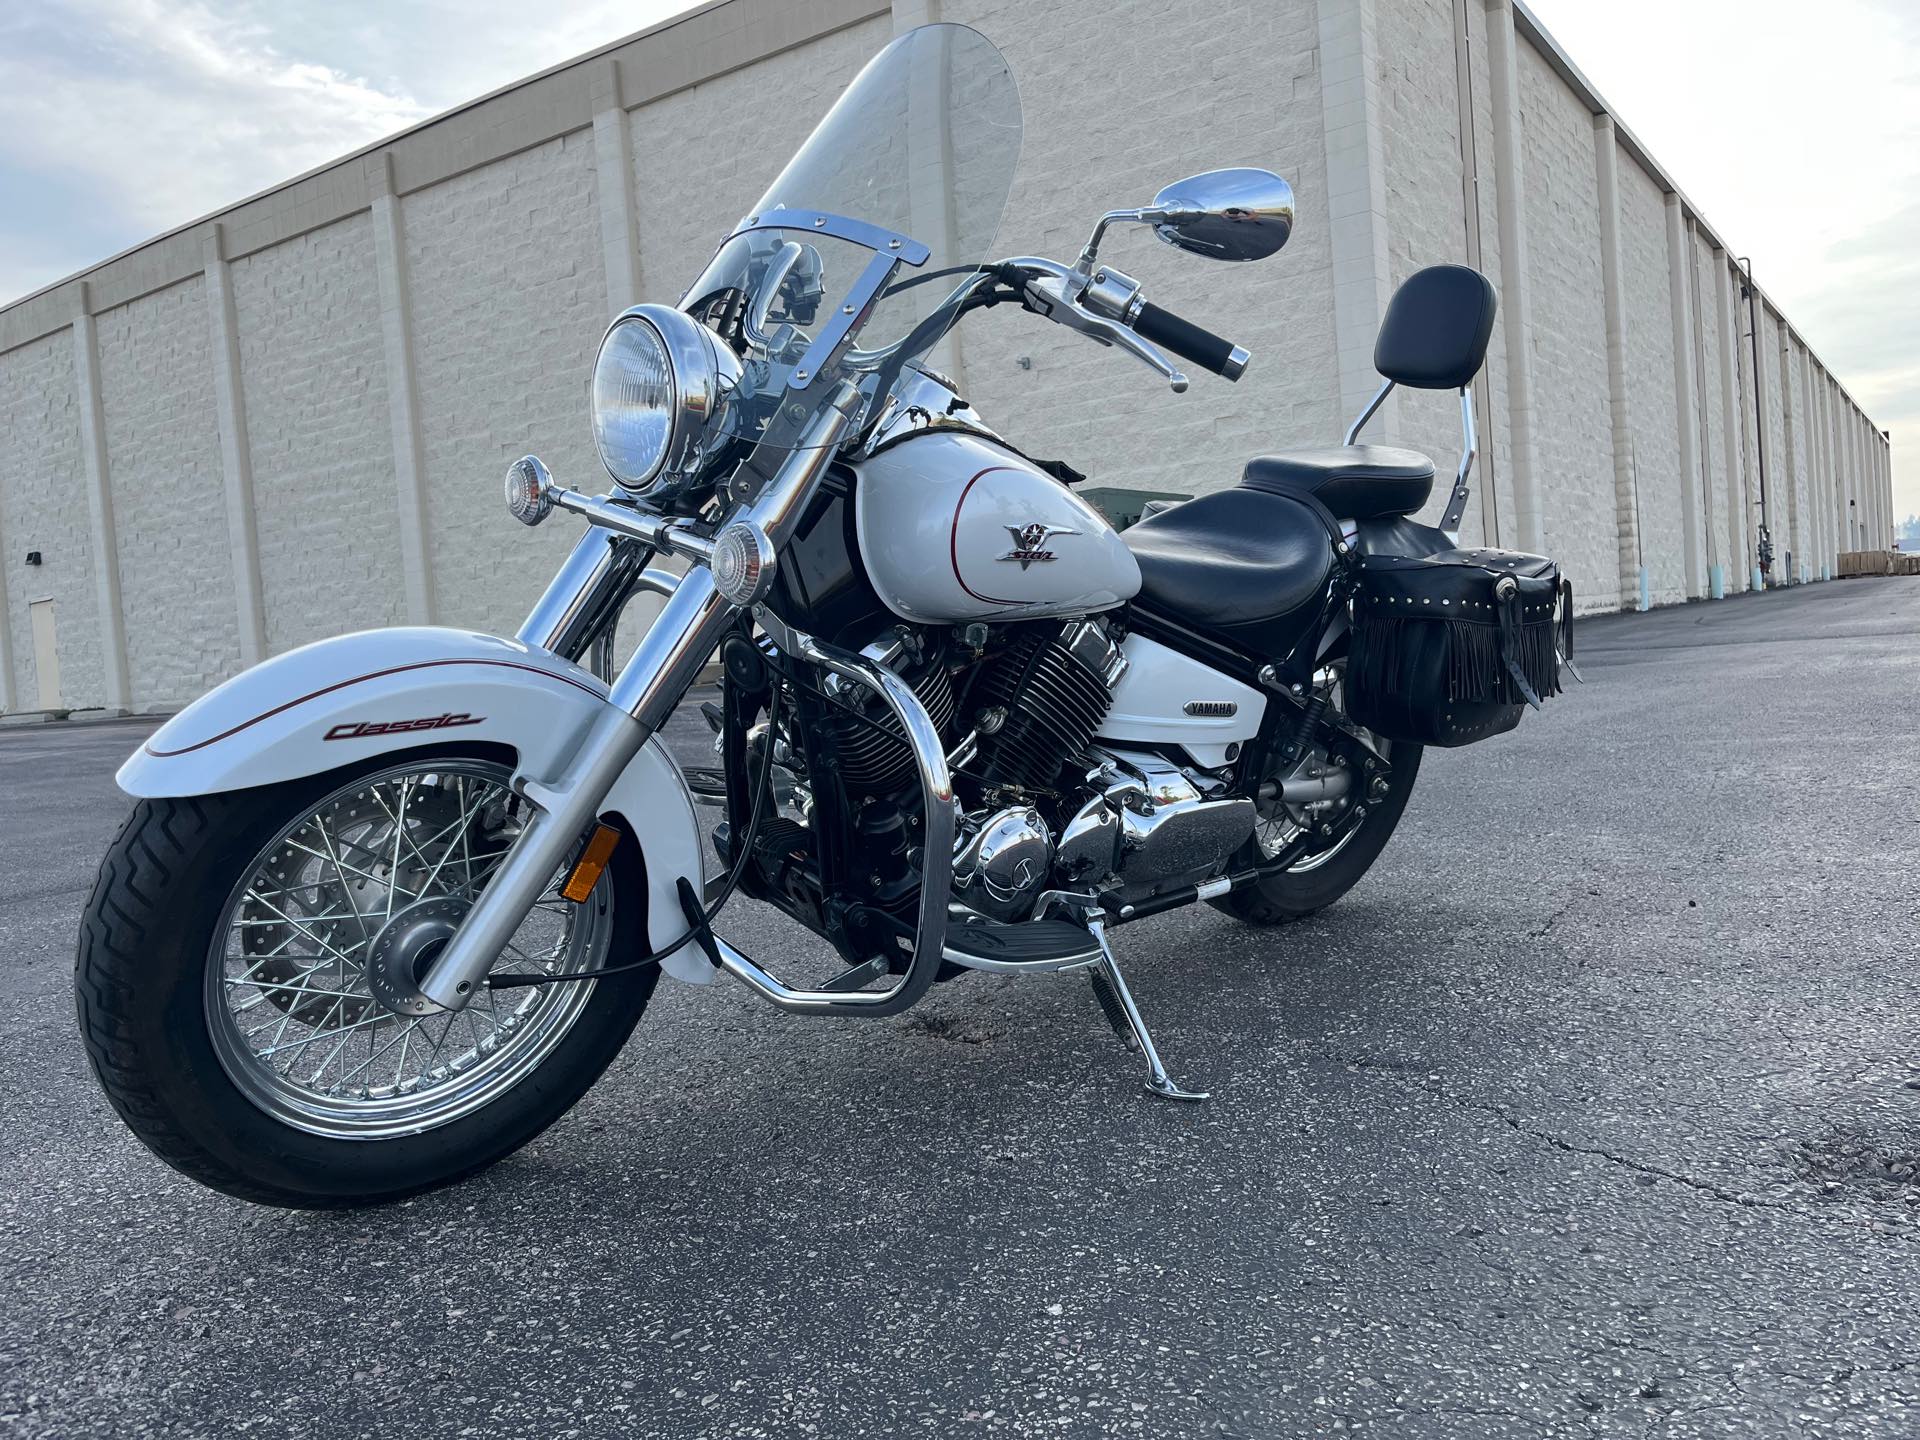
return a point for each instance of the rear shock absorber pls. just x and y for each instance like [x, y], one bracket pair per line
[1303, 732]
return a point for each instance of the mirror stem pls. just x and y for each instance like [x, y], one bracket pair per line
[1113, 217]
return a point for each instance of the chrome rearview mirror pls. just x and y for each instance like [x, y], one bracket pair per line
[1240, 214]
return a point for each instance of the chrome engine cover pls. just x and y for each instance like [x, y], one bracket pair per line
[1149, 828]
[1001, 868]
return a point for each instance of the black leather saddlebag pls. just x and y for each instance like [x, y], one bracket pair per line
[1449, 648]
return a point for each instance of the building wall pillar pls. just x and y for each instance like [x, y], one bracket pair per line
[1692, 526]
[106, 554]
[1823, 488]
[1791, 545]
[1516, 300]
[1739, 556]
[613, 163]
[1633, 574]
[236, 458]
[403, 392]
[1850, 439]
[1354, 136]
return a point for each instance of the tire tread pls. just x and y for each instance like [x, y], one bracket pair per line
[155, 842]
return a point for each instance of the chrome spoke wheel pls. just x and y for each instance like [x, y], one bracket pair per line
[293, 1018]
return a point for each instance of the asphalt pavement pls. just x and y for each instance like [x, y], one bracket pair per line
[1593, 1110]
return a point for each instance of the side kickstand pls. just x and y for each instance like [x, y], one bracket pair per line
[1110, 988]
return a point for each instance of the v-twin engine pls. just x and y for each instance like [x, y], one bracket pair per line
[1147, 826]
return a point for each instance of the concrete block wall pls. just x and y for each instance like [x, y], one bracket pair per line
[1095, 139]
[1568, 344]
[163, 465]
[43, 507]
[289, 420]
[315, 395]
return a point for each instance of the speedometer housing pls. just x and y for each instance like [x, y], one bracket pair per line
[660, 382]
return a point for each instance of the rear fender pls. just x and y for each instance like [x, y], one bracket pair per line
[385, 692]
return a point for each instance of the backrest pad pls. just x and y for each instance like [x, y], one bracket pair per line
[1436, 330]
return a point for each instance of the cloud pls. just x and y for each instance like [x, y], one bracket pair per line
[129, 117]
[159, 111]
[1799, 139]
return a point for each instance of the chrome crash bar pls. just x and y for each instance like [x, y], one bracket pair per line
[936, 790]
[662, 668]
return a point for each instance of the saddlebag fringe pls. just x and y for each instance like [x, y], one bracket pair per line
[1448, 648]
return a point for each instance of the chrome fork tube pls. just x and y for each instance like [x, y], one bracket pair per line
[594, 580]
[669, 657]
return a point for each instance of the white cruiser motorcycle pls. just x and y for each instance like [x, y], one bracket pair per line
[388, 904]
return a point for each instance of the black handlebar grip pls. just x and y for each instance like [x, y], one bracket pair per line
[1190, 342]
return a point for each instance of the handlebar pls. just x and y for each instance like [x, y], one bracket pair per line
[1190, 342]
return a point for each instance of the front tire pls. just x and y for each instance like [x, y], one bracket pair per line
[214, 946]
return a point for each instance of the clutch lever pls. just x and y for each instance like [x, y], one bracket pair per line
[1048, 288]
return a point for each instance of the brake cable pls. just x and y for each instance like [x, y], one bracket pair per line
[763, 786]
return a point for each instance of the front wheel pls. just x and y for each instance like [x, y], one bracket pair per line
[224, 996]
[1323, 876]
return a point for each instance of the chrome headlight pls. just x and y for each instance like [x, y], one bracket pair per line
[659, 382]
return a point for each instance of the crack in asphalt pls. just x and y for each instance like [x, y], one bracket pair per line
[1395, 1075]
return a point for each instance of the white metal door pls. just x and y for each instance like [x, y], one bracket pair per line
[46, 654]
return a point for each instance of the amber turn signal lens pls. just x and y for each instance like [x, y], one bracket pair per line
[593, 860]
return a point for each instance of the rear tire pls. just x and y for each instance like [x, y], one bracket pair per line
[142, 977]
[1295, 894]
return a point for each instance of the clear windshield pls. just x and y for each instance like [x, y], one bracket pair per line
[889, 205]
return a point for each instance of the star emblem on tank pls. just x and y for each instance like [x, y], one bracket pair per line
[1029, 542]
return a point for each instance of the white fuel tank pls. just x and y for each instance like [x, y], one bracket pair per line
[953, 527]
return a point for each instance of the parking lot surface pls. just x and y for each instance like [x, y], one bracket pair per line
[1593, 1110]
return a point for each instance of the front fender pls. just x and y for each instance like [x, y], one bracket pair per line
[379, 692]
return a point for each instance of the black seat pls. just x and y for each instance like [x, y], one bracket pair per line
[1355, 482]
[1251, 564]
[1246, 563]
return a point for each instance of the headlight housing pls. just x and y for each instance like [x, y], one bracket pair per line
[660, 380]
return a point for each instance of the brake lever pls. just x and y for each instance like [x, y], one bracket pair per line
[1052, 290]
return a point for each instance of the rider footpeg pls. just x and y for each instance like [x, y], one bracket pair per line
[1110, 986]
[1033, 947]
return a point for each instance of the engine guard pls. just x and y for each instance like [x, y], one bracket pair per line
[384, 692]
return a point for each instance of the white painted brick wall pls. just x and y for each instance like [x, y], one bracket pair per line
[1714, 449]
[703, 155]
[43, 502]
[509, 302]
[163, 464]
[1574, 425]
[1656, 446]
[1427, 224]
[1097, 139]
[315, 390]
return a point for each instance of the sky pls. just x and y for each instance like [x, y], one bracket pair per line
[1794, 128]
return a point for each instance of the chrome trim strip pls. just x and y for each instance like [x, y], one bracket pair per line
[1059, 966]
[840, 227]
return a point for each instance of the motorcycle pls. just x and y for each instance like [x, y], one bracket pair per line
[387, 905]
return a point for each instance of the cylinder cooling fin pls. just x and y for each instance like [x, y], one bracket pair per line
[1053, 684]
[872, 749]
